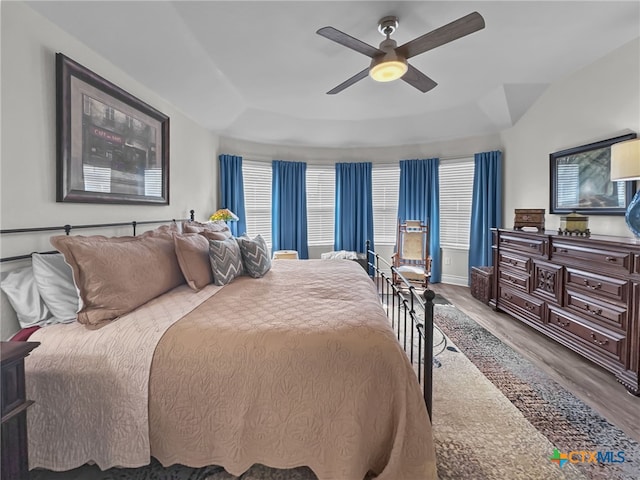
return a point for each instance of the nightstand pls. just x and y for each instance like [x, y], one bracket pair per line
[13, 456]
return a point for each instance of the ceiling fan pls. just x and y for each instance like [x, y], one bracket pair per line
[389, 62]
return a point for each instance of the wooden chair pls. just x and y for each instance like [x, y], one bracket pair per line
[412, 258]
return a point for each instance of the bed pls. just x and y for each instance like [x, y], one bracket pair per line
[296, 367]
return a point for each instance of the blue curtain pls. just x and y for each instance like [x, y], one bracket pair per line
[354, 207]
[419, 200]
[232, 191]
[486, 207]
[289, 207]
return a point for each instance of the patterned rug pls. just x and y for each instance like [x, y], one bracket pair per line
[155, 471]
[565, 422]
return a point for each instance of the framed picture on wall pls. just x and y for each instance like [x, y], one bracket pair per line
[112, 147]
[581, 180]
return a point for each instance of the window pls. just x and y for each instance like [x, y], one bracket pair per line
[456, 192]
[321, 188]
[385, 184]
[257, 198]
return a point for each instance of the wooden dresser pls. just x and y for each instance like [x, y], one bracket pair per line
[14, 459]
[582, 292]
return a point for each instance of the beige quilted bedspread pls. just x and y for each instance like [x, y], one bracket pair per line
[91, 387]
[297, 368]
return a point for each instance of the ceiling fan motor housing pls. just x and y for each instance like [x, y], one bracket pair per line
[390, 66]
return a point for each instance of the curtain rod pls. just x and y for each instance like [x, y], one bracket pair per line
[381, 162]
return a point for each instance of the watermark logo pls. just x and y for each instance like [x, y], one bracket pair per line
[559, 458]
[582, 456]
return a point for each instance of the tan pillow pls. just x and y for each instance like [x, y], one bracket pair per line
[215, 235]
[198, 227]
[115, 275]
[192, 250]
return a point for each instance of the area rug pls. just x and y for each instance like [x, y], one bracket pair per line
[557, 423]
[155, 471]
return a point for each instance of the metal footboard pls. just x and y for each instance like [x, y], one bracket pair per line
[411, 316]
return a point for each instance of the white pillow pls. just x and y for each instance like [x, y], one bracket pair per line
[20, 287]
[54, 279]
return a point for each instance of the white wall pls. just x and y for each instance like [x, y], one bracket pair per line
[28, 151]
[28, 139]
[598, 102]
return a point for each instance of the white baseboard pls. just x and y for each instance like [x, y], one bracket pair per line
[455, 280]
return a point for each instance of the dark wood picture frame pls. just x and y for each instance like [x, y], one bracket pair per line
[111, 146]
[581, 180]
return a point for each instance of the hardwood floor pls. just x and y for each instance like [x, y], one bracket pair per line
[592, 384]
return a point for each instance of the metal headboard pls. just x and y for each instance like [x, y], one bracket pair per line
[67, 229]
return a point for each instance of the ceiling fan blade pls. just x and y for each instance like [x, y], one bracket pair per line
[445, 34]
[418, 79]
[347, 83]
[349, 41]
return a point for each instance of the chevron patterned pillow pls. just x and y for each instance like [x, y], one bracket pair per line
[255, 255]
[225, 259]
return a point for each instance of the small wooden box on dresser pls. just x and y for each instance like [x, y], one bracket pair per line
[583, 292]
[14, 459]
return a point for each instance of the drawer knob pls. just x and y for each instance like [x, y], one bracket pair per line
[595, 311]
[562, 324]
[592, 286]
[532, 245]
[612, 259]
[563, 250]
[598, 342]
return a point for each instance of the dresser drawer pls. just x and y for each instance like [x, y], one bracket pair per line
[612, 260]
[603, 312]
[598, 285]
[604, 341]
[514, 279]
[527, 244]
[514, 262]
[522, 305]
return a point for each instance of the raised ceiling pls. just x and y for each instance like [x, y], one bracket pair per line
[258, 71]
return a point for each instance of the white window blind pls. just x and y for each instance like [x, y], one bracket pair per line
[257, 198]
[321, 188]
[385, 184]
[456, 192]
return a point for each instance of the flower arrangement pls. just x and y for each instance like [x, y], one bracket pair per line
[224, 215]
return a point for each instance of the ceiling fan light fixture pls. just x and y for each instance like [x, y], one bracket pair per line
[389, 62]
[388, 70]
